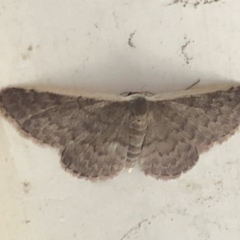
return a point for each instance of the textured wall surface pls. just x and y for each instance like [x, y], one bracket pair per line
[113, 47]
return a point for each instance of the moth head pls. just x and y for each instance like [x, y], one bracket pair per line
[126, 94]
[138, 105]
[132, 93]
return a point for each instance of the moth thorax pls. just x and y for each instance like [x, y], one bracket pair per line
[139, 105]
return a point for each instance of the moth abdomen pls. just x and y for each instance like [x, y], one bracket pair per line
[137, 132]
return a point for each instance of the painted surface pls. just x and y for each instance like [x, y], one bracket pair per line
[113, 47]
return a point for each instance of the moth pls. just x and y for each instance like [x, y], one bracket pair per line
[99, 135]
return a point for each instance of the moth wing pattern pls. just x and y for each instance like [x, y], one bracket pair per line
[92, 134]
[180, 129]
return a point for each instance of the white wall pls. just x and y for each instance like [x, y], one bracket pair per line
[85, 44]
